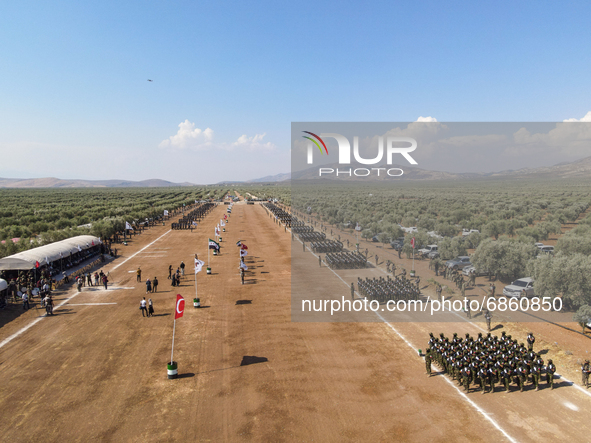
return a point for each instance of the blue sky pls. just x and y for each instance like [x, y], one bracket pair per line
[75, 101]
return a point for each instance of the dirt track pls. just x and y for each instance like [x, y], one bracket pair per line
[97, 372]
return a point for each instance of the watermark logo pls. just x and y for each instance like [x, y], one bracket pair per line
[394, 145]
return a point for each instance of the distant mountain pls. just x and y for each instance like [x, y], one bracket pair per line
[272, 178]
[51, 182]
[578, 169]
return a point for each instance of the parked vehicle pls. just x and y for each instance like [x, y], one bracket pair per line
[459, 262]
[468, 270]
[427, 249]
[398, 243]
[523, 287]
[466, 232]
[547, 249]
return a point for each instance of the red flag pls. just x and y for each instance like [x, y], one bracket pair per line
[180, 306]
[36, 264]
[244, 246]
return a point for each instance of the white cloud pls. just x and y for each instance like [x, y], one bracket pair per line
[587, 118]
[188, 136]
[195, 139]
[422, 119]
[254, 143]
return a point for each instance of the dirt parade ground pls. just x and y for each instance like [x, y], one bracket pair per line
[96, 371]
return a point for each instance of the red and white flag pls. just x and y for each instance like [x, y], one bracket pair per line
[180, 306]
[244, 246]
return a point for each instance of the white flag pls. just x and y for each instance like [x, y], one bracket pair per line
[358, 228]
[222, 224]
[198, 265]
[217, 231]
[165, 212]
[128, 226]
[243, 266]
[243, 253]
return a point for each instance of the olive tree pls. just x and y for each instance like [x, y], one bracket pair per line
[583, 316]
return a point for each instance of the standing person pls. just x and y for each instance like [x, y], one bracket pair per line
[143, 308]
[352, 291]
[173, 283]
[139, 274]
[148, 285]
[438, 291]
[319, 260]
[468, 311]
[105, 281]
[436, 266]
[169, 272]
[585, 369]
[150, 308]
[89, 278]
[26, 301]
[400, 253]
[492, 290]
[155, 284]
[96, 279]
[242, 275]
[488, 318]
[550, 370]
[49, 305]
[79, 283]
[530, 341]
[304, 245]
[182, 268]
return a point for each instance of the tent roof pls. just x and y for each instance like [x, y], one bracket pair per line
[53, 251]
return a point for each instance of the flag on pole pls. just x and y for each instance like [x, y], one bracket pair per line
[217, 230]
[165, 212]
[244, 246]
[37, 264]
[194, 223]
[180, 306]
[243, 253]
[243, 265]
[239, 243]
[357, 227]
[128, 226]
[198, 265]
[213, 244]
[222, 224]
[225, 216]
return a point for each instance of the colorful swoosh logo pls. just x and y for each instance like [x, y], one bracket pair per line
[315, 142]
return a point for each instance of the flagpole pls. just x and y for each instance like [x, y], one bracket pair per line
[172, 352]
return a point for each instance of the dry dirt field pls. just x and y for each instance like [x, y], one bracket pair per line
[96, 371]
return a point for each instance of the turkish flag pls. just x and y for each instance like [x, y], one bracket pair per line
[36, 264]
[244, 246]
[180, 306]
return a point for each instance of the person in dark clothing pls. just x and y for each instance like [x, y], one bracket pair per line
[155, 284]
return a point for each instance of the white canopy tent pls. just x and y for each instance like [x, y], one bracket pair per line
[48, 253]
[3, 285]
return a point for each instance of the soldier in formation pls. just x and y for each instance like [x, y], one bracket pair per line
[385, 289]
[486, 360]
